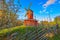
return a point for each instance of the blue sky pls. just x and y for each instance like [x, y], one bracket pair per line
[41, 8]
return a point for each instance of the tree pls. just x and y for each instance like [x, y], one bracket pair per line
[8, 16]
[52, 24]
[19, 22]
[7, 20]
[44, 23]
[57, 20]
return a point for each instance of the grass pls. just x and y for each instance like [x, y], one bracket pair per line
[21, 29]
[5, 31]
[56, 37]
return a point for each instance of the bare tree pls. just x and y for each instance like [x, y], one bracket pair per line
[9, 13]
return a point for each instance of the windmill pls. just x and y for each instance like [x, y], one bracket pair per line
[30, 21]
[28, 9]
[29, 12]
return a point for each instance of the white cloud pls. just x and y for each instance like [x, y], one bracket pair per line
[49, 2]
[42, 11]
[50, 19]
[45, 19]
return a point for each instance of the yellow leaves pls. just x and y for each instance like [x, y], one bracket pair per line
[6, 17]
[45, 23]
[18, 22]
[0, 13]
[57, 20]
[52, 23]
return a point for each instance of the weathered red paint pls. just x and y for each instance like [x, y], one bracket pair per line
[30, 21]
[30, 14]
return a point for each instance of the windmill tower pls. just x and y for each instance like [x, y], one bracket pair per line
[30, 21]
[29, 12]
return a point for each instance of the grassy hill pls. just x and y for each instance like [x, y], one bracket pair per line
[22, 31]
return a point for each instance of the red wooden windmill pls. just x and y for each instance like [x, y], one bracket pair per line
[30, 21]
[29, 13]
